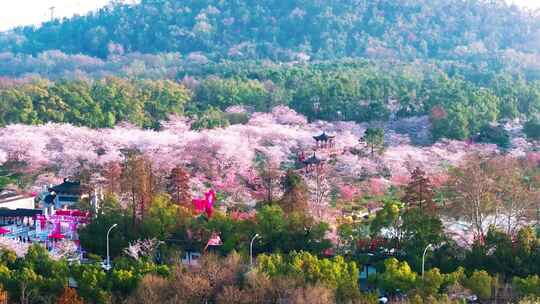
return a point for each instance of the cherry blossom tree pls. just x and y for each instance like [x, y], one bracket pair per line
[19, 248]
[142, 248]
[3, 157]
[225, 159]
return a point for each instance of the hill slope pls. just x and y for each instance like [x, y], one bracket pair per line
[290, 29]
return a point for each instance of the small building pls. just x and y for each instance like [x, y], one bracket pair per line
[312, 162]
[19, 216]
[324, 140]
[65, 194]
[11, 199]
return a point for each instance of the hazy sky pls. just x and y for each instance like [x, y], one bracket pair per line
[21, 12]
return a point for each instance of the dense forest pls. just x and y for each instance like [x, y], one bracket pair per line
[467, 64]
[289, 30]
[460, 104]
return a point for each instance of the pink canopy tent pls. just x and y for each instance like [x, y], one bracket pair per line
[4, 230]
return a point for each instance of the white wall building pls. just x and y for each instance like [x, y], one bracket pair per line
[10, 199]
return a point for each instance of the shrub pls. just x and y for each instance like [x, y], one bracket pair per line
[68, 296]
[532, 129]
[152, 289]
[495, 135]
[480, 283]
[397, 276]
[313, 294]
[431, 282]
[529, 286]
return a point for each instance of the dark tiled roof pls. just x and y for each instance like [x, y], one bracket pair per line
[7, 196]
[19, 212]
[323, 137]
[312, 160]
[68, 187]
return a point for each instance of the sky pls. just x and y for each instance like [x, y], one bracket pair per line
[23, 12]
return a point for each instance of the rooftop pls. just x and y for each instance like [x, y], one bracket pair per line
[19, 212]
[68, 187]
[312, 160]
[323, 137]
[9, 195]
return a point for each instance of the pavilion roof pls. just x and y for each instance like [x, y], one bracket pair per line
[312, 160]
[68, 187]
[323, 137]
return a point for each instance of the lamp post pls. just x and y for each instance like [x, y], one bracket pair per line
[424, 257]
[108, 266]
[251, 249]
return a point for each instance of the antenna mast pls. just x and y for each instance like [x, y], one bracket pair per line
[52, 8]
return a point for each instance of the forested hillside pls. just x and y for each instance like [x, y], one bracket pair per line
[467, 64]
[288, 30]
[359, 91]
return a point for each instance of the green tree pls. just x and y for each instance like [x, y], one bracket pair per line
[532, 129]
[480, 283]
[396, 276]
[418, 230]
[93, 283]
[388, 217]
[334, 273]
[374, 138]
[529, 286]
[93, 235]
[162, 218]
[294, 231]
[494, 134]
[210, 119]
[431, 283]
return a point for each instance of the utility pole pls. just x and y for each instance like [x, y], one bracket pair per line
[52, 8]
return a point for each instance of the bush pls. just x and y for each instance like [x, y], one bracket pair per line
[232, 295]
[237, 118]
[313, 294]
[152, 289]
[210, 119]
[529, 300]
[532, 129]
[529, 286]
[431, 283]
[495, 135]
[336, 273]
[480, 283]
[397, 276]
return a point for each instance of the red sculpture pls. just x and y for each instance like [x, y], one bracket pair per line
[206, 204]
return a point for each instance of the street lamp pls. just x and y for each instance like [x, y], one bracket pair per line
[108, 266]
[424, 257]
[251, 249]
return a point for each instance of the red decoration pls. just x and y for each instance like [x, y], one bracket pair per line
[56, 236]
[206, 204]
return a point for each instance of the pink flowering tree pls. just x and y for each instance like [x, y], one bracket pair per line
[142, 248]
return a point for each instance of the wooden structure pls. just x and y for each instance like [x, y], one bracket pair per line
[65, 194]
[312, 163]
[324, 140]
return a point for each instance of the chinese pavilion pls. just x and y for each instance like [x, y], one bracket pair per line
[324, 140]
